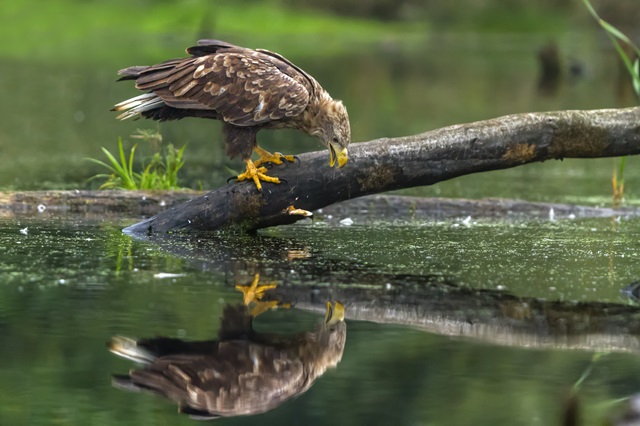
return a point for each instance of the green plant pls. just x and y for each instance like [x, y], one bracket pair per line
[624, 46]
[160, 173]
[617, 182]
[620, 41]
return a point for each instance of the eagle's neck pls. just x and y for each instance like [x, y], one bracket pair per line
[311, 121]
[322, 348]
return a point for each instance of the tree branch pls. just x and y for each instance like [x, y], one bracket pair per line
[388, 164]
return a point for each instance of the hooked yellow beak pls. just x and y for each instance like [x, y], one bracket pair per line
[340, 157]
[334, 313]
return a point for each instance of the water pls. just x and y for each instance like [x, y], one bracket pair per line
[69, 285]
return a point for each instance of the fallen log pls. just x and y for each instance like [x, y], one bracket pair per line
[118, 204]
[389, 164]
[90, 203]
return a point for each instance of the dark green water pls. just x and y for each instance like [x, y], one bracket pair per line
[69, 285]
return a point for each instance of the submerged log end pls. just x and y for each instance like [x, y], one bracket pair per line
[237, 206]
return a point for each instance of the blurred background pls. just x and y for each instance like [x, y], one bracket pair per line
[401, 66]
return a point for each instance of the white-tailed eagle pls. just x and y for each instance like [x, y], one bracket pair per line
[248, 90]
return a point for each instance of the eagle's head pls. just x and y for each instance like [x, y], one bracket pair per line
[331, 125]
[324, 347]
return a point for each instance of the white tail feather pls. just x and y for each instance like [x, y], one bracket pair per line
[134, 106]
[129, 349]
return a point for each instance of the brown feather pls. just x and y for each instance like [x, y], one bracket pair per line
[234, 69]
[243, 87]
[242, 373]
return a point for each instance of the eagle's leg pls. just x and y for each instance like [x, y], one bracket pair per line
[254, 292]
[262, 307]
[240, 141]
[256, 174]
[267, 157]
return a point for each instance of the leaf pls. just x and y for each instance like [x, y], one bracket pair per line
[591, 9]
[114, 163]
[614, 31]
[617, 36]
[103, 164]
[636, 76]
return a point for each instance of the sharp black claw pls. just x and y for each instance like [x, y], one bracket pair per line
[232, 178]
[283, 180]
[296, 159]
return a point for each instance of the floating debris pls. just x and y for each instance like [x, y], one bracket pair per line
[163, 275]
[41, 208]
[24, 231]
[467, 222]
[293, 254]
[552, 214]
[346, 221]
[632, 290]
[291, 210]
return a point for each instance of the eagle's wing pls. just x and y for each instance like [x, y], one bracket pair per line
[244, 87]
[240, 378]
[208, 46]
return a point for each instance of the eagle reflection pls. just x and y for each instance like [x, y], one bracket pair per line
[241, 373]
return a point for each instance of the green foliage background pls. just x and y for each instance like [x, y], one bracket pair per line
[401, 68]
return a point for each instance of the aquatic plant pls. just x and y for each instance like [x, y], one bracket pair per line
[630, 55]
[161, 172]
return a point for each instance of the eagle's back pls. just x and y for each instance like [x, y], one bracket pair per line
[243, 87]
[238, 378]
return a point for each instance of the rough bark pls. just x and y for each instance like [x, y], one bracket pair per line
[388, 164]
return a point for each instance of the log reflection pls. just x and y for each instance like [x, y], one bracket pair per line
[493, 317]
[433, 303]
[241, 373]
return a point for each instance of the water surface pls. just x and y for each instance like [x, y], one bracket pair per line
[69, 285]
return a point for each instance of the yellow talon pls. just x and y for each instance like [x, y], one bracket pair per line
[267, 157]
[262, 307]
[256, 174]
[253, 292]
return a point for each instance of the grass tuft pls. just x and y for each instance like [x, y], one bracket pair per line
[160, 173]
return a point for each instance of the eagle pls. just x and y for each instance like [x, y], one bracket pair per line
[248, 90]
[241, 373]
